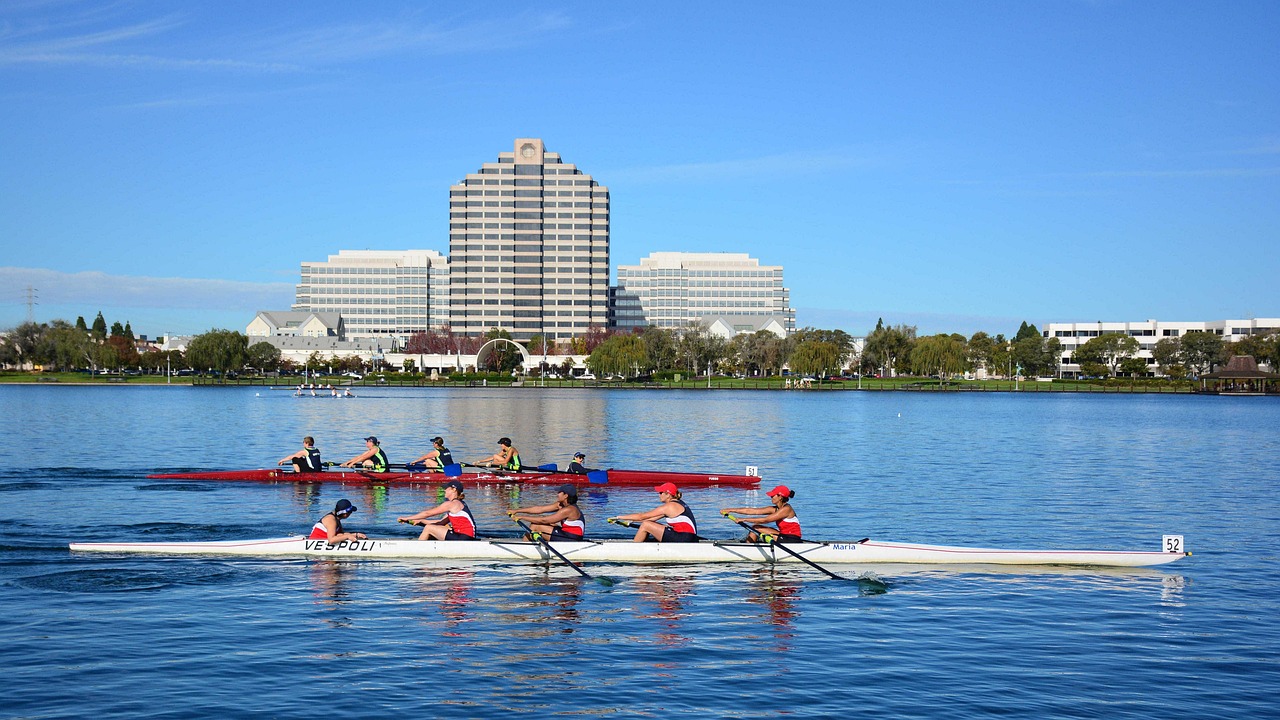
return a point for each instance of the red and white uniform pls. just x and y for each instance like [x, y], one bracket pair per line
[790, 526]
[683, 522]
[461, 521]
[577, 528]
[319, 532]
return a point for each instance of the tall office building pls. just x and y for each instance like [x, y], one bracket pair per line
[379, 293]
[674, 289]
[528, 247]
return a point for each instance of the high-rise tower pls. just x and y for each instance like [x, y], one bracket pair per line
[528, 247]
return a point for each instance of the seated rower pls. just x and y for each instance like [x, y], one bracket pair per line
[507, 458]
[330, 527]
[575, 467]
[372, 459]
[788, 524]
[672, 521]
[457, 524]
[436, 459]
[307, 459]
[561, 521]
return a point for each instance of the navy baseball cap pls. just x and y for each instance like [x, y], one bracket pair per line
[453, 484]
[371, 439]
[344, 506]
[569, 490]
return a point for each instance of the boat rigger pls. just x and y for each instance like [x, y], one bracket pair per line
[622, 551]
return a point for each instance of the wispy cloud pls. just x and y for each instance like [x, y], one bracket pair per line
[770, 166]
[97, 289]
[338, 43]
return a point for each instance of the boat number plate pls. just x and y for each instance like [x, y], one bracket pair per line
[1172, 544]
[753, 471]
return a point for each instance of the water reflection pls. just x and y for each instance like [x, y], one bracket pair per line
[668, 596]
[329, 585]
[778, 596]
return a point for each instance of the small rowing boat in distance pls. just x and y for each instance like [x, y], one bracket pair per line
[626, 552]
[596, 478]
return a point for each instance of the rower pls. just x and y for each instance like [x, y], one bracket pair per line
[672, 521]
[560, 521]
[457, 524]
[330, 527]
[781, 513]
[436, 459]
[575, 467]
[306, 460]
[373, 458]
[507, 458]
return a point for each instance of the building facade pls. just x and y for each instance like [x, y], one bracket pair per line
[1148, 333]
[528, 247]
[383, 294]
[674, 289]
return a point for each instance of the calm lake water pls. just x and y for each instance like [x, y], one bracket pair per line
[126, 637]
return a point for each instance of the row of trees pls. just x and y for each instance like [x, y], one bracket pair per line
[888, 350]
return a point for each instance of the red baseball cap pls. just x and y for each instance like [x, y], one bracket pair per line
[780, 490]
[668, 488]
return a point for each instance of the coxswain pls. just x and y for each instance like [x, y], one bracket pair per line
[306, 460]
[560, 521]
[457, 524]
[507, 458]
[436, 459]
[787, 524]
[672, 521]
[373, 458]
[575, 467]
[330, 527]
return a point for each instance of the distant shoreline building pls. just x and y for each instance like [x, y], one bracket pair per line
[382, 294]
[528, 247]
[1148, 333]
[674, 289]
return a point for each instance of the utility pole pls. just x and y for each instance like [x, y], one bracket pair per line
[31, 296]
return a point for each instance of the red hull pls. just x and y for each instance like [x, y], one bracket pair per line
[622, 478]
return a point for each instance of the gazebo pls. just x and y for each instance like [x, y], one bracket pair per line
[1241, 376]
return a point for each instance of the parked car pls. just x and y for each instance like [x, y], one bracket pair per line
[354, 375]
[586, 376]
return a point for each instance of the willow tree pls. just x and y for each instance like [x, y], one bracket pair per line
[619, 355]
[220, 350]
[942, 355]
[816, 357]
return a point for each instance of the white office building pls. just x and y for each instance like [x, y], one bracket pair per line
[383, 294]
[674, 289]
[528, 247]
[1148, 333]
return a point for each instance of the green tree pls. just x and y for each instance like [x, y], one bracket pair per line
[660, 346]
[1202, 350]
[619, 355]
[99, 329]
[698, 348]
[502, 357]
[1168, 355]
[117, 330]
[219, 350]
[982, 348]
[887, 348]
[1109, 349]
[64, 346]
[1025, 331]
[1133, 367]
[942, 355]
[263, 356]
[128, 332]
[816, 357]
[80, 325]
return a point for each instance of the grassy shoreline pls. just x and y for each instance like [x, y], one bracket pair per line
[903, 384]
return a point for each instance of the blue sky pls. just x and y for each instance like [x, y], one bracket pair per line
[959, 166]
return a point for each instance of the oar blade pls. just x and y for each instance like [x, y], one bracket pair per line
[598, 477]
[453, 470]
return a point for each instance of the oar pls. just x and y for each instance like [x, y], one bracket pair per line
[607, 582]
[632, 523]
[773, 541]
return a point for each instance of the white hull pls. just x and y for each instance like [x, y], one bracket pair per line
[621, 551]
